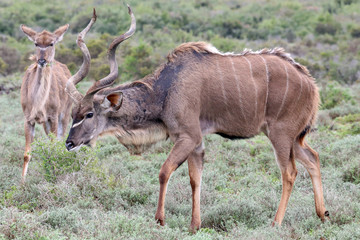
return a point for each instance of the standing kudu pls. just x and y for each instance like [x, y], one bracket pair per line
[43, 96]
[200, 91]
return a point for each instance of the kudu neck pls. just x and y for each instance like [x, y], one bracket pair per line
[43, 74]
[139, 106]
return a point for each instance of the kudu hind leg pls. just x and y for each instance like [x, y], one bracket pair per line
[195, 163]
[309, 158]
[286, 162]
[179, 153]
[29, 138]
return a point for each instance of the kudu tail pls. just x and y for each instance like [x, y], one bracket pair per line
[301, 137]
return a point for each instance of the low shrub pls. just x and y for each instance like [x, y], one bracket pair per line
[355, 32]
[10, 58]
[333, 94]
[352, 174]
[56, 160]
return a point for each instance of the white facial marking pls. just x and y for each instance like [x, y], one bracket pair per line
[77, 124]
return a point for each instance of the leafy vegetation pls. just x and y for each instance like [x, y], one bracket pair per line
[105, 193]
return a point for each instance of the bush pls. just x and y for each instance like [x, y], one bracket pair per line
[138, 63]
[326, 28]
[352, 174]
[327, 25]
[355, 32]
[56, 160]
[332, 95]
[3, 66]
[11, 58]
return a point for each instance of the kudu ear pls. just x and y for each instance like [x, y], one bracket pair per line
[28, 32]
[59, 33]
[113, 100]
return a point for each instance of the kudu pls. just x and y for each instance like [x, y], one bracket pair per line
[199, 91]
[43, 96]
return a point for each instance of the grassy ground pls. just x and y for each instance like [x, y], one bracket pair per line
[105, 193]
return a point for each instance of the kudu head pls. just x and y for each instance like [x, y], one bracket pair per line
[44, 43]
[91, 110]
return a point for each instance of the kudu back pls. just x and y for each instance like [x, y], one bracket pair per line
[43, 97]
[200, 91]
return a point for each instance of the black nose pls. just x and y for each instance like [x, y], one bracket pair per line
[41, 62]
[69, 145]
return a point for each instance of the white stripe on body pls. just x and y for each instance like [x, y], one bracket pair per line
[256, 90]
[219, 72]
[286, 91]
[267, 83]
[238, 87]
[301, 80]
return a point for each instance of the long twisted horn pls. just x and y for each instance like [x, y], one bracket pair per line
[108, 80]
[85, 67]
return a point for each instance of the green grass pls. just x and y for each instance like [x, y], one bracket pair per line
[105, 193]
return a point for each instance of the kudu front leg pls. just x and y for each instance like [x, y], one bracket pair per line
[195, 162]
[179, 153]
[29, 138]
[51, 125]
[54, 126]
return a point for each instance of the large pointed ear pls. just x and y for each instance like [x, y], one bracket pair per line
[113, 100]
[29, 32]
[59, 33]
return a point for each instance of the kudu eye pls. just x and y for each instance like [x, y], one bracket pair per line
[36, 45]
[89, 115]
[51, 44]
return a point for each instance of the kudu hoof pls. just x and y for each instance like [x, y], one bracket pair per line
[160, 221]
[194, 227]
[326, 216]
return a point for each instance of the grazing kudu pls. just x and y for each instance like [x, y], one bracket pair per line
[43, 96]
[200, 91]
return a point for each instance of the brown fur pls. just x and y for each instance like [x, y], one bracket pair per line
[43, 96]
[201, 91]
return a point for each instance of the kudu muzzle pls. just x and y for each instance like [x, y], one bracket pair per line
[41, 62]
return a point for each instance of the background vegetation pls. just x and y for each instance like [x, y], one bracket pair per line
[105, 193]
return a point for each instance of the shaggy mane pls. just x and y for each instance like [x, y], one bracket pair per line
[199, 47]
[203, 47]
[280, 52]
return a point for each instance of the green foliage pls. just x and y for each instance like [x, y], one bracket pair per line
[351, 118]
[327, 25]
[9, 58]
[355, 32]
[352, 174]
[138, 62]
[332, 95]
[56, 160]
[231, 26]
[3, 66]
[346, 124]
